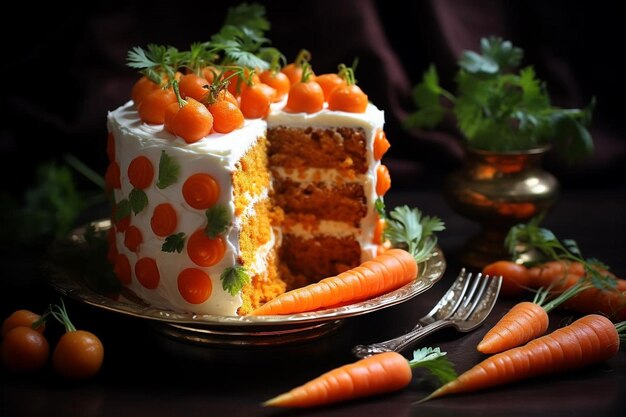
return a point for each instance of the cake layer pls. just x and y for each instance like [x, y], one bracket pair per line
[310, 260]
[331, 147]
[344, 202]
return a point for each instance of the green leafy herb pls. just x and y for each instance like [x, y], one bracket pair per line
[155, 61]
[234, 279]
[218, 220]
[379, 206]
[251, 16]
[138, 200]
[122, 210]
[174, 243]
[407, 228]
[169, 170]
[435, 361]
[49, 208]
[498, 109]
[523, 238]
[241, 38]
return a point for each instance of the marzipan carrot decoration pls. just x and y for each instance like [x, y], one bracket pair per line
[349, 97]
[589, 340]
[377, 374]
[525, 321]
[412, 236]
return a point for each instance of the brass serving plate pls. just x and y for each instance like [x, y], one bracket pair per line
[228, 330]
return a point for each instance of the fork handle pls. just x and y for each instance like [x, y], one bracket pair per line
[399, 343]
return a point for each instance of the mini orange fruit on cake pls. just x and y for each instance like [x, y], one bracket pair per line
[223, 223]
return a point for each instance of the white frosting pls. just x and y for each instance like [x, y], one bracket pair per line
[217, 156]
[323, 228]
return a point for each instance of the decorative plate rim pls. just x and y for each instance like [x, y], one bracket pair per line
[430, 271]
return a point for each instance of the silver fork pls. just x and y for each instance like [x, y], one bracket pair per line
[465, 306]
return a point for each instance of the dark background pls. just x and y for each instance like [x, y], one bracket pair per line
[58, 88]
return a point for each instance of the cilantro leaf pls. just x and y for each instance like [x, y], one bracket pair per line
[218, 220]
[169, 171]
[234, 278]
[174, 243]
[502, 52]
[248, 15]
[138, 200]
[427, 97]
[408, 229]
[122, 210]
[435, 361]
[379, 206]
[499, 108]
[153, 62]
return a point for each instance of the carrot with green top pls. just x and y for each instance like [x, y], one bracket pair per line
[413, 239]
[294, 70]
[349, 97]
[589, 340]
[525, 321]
[305, 96]
[377, 374]
[563, 266]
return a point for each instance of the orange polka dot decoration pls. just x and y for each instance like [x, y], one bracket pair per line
[201, 191]
[164, 220]
[147, 273]
[194, 285]
[140, 172]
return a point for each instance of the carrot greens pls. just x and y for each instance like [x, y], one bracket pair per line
[527, 237]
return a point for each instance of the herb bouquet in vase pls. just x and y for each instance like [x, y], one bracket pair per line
[507, 123]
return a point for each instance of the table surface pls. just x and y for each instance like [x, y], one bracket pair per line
[147, 373]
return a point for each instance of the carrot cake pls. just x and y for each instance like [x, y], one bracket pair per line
[220, 223]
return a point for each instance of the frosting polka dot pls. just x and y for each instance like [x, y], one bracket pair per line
[194, 285]
[147, 273]
[140, 172]
[201, 191]
[122, 269]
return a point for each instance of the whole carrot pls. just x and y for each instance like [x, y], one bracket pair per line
[388, 271]
[590, 339]
[377, 374]
[515, 277]
[525, 321]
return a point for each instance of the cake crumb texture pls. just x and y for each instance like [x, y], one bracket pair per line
[317, 258]
[337, 147]
[346, 202]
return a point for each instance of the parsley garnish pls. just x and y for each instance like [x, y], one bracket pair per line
[218, 220]
[169, 170]
[174, 243]
[435, 361]
[523, 238]
[234, 279]
[138, 200]
[122, 210]
[499, 109]
[408, 229]
[379, 206]
[154, 62]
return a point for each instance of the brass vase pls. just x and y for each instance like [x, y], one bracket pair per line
[498, 190]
